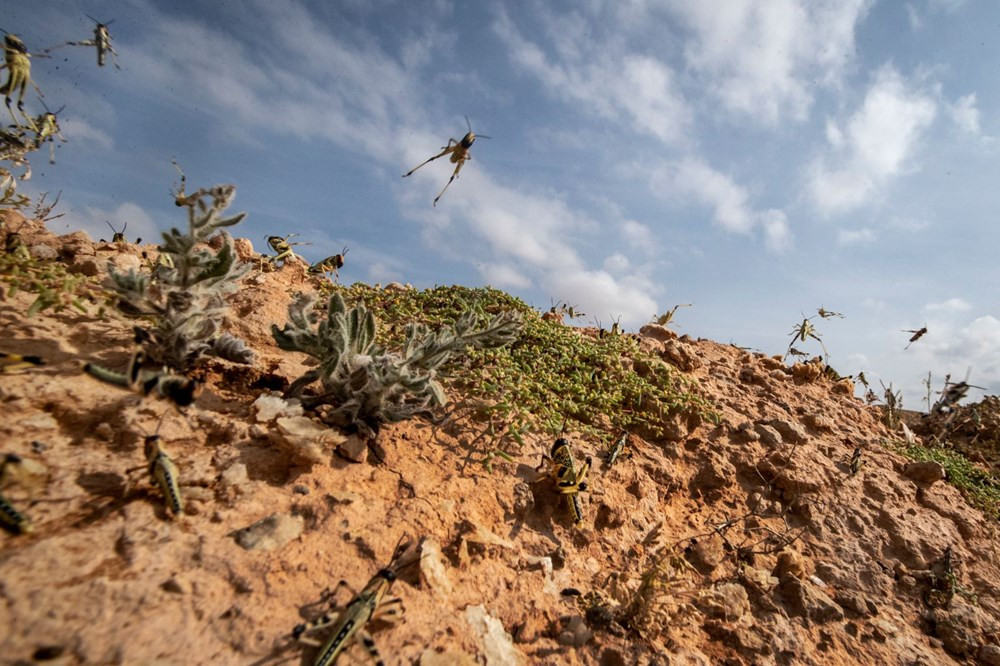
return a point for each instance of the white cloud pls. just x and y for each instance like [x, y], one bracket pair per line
[638, 235]
[965, 114]
[873, 304]
[610, 81]
[973, 346]
[617, 263]
[855, 236]
[504, 276]
[764, 59]
[952, 305]
[878, 140]
[730, 202]
[75, 130]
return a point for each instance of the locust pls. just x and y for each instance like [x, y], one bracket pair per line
[330, 264]
[118, 236]
[12, 519]
[17, 61]
[178, 389]
[163, 472]
[368, 604]
[826, 314]
[101, 41]
[569, 481]
[917, 334]
[282, 248]
[48, 129]
[856, 461]
[14, 363]
[801, 332]
[668, 316]
[616, 449]
[459, 151]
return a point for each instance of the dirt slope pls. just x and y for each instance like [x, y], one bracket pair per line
[748, 542]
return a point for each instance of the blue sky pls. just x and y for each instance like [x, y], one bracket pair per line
[756, 159]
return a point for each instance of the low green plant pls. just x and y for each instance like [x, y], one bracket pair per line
[183, 295]
[55, 286]
[366, 384]
[551, 377]
[979, 487]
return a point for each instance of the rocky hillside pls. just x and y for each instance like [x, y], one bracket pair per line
[758, 513]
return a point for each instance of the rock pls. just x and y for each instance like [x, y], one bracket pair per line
[236, 477]
[123, 262]
[808, 372]
[269, 407]
[680, 355]
[745, 432]
[497, 648]
[354, 448]
[805, 600]
[789, 562]
[728, 601]
[706, 554]
[173, 586]
[989, 655]
[819, 422]
[576, 634]
[446, 658]
[773, 363]
[70, 245]
[395, 286]
[926, 472]
[657, 332]
[845, 386]
[244, 249]
[790, 432]
[299, 489]
[88, 267]
[854, 601]
[270, 533]
[716, 473]
[305, 439]
[432, 567]
[767, 434]
[553, 317]
[959, 626]
[41, 421]
[43, 252]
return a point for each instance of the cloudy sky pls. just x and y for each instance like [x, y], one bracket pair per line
[757, 159]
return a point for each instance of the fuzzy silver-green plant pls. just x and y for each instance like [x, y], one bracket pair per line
[183, 294]
[367, 385]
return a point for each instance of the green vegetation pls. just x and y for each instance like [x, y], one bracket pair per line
[550, 377]
[980, 488]
[366, 384]
[56, 287]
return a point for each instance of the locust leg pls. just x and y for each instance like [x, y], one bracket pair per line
[453, 177]
[444, 151]
[368, 642]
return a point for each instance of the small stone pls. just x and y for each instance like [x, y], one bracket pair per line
[43, 252]
[236, 476]
[497, 648]
[244, 249]
[745, 432]
[123, 262]
[41, 421]
[790, 432]
[395, 286]
[270, 533]
[728, 601]
[989, 655]
[354, 449]
[432, 567]
[657, 332]
[767, 434]
[269, 407]
[706, 554]
[173, 586]
[88, 267]
[576, 634]
[803, 599]
[300, 490]
[789, 562]
[852, 601]
[926, 472]
[845, 386]
[819, 422]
